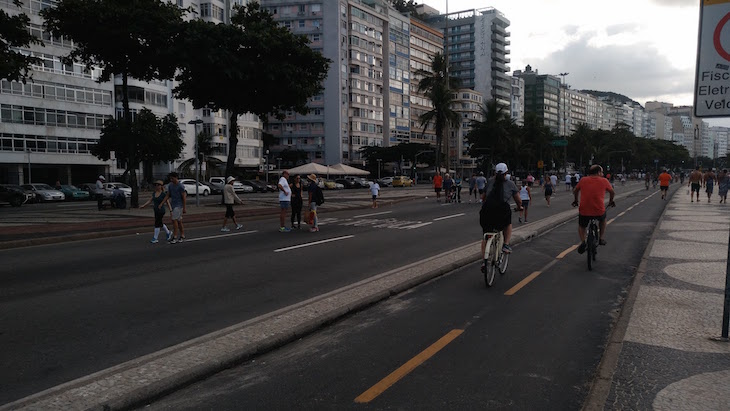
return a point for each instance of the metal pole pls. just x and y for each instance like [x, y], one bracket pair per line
[726, 306]
[197, 169]
[267, 166]
[30, 174]
[697, 136]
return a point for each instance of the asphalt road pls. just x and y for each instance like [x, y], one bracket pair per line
[535, 349]
[71, 309]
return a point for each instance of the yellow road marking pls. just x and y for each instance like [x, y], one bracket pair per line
[522, 283]
[406, 368]
[567, 251]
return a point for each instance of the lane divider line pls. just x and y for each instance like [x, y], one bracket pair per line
[377, 389]
[567, 251]
[218, 236]
[522, 283]
[449, 216]
[329, 240]
[370, 215]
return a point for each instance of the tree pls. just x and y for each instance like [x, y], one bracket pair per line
[129, 38]
[155, 139]
[14, 66]
[494, 134]
[252, 65]
[438, 87]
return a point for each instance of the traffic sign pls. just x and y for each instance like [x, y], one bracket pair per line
[712, 75]
[562, 143]
[540, 164]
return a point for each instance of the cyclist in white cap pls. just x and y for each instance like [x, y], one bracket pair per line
[496, 213]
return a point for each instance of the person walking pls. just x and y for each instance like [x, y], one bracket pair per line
[296, 202]
[229, 199]
[473, 187]
[437, 185]
[695, 181]
[177, 197]
[158, 196]
[374, 191]
[99, 192]
[567, 181]
[664, 180]
[315, 198]
[548, 190]
[481, 185]
[457, 187]
[709, 179]
[723, 180]
[448, 186]
[284, 200]
[526, 197]
[554, 182]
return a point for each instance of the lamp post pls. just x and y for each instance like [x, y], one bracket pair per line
[379, 160]
[30, 179]
[197, 159]
[267, 166]
[697, 137]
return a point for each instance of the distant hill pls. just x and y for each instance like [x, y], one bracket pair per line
[611, 95]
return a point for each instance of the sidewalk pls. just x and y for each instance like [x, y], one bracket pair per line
[661, 355]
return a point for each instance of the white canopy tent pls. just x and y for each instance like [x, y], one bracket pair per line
[344, 169]
[310, 168]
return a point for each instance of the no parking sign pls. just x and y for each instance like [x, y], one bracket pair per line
[712, 76]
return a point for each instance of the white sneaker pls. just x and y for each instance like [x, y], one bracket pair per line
[239, 226]
[225, 229]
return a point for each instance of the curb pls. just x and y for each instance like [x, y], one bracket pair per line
[137, 382]
[601, 386]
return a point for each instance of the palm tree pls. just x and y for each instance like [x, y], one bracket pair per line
[438, 87]
[493, 133]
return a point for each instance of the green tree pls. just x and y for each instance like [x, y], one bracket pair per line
[155, 139]
[438, 87]
[494, 135]
[14, 66]
[129, 38]
[252, 65]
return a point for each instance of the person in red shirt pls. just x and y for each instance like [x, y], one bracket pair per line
[592, 190]
[664, 180]
[438, 182]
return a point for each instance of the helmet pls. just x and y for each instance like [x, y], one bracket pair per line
[501, 168]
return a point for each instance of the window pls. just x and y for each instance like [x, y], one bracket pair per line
[180, 3]
[302, 24]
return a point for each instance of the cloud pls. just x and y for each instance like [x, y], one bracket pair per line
[675, 3]
[621, 29]
[637, 70]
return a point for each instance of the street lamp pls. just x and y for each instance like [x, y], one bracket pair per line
[379, 160]
[30, 180]
[697, 137]
[267, 166]
[197, 159]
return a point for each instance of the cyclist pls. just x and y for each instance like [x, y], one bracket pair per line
[496, 213]
[592, 190]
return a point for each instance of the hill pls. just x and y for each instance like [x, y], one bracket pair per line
[611, 95]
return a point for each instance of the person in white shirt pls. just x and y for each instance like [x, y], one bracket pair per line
[554, 180]
[567, 182]
[284, 200]
[374, 189]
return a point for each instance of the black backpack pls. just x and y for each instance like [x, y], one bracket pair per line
[318, 196]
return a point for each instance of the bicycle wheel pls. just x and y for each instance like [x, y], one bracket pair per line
[595, 242]
[590, 248]
[489, 267]
[503, 262]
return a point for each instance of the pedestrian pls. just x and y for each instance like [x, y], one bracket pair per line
[296, 202]
[554, 182]
[437, 185]
[481, 185]
[100, 192]
[457, 187]
[548, 190]
[178, 199]
[284, 200]
[229, 199]
[709, 179]
[374, 190]
[530, 180]
[316, 198]
[158, 196]
[574, 180]
[526, 197]
[567, 181]
[664, 180]
[473, 187]
[448, 185]
[723, 180]
[695, 181]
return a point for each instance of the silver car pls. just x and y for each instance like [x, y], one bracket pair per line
[44, 192]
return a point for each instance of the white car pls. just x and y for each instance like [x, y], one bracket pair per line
[190, 187]
[386, 181]
[239, 187]
[44, 192]
[125, 188]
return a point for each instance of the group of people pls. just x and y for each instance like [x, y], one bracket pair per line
[708, 179]
[291, 197]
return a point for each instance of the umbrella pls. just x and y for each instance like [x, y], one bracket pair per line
[309, 168]
[348, 170]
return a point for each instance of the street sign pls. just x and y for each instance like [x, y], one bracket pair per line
[712, 74]
[562, 143]
[540, 164]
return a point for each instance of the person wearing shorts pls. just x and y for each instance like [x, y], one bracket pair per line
[284, 200]
[592, 191]
[473, 187]
[695, 181]
[374, 190]
[525, 197]
[229, 199]
[664, 180]
[438, 182]
[481, 184]
[177, 196]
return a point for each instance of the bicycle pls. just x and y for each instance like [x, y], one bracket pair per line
[592, 239]
[494, 258]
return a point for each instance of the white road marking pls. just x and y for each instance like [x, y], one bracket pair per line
[448, 216]
[278, 250]
[218, 236]
[370, 215]
[411, 227]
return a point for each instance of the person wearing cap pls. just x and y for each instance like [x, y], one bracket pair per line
[158, 196]
[592, 190]
[100, 192]
[496, 213]
[229, 199]
[315, 193]
[481, 184]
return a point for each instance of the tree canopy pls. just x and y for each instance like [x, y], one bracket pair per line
[15, 66]
[252, 65]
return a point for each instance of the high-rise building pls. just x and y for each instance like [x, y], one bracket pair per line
[399, 78]
[425, 43]
[468, 105]
[545, 98]
[517, 107]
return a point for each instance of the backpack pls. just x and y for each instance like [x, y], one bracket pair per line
[318, 196]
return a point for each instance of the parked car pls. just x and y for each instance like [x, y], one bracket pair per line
[91, 188]
[347, 183]
[386, 181]
[402, 181]
[125, 188]
[216, 185]
[190, 187]
[44, 192]
[74, 193]
[29, 195]
[13, 196]
[364, 182]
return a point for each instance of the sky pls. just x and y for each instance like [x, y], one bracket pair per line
[643, 49]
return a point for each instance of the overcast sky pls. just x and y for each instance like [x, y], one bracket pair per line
[644, 49]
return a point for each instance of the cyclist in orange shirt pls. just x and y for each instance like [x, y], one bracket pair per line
[664, 180]
[592, 190]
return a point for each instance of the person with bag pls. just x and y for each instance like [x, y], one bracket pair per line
[496, 213]
[158, 196]
[316, 198]
[230, 198]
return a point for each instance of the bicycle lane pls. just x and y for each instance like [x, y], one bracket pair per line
[452, 343]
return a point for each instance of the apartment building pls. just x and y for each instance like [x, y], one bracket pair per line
[545, 97]
[50, 124]
[468, 104]
[399, 78]
[426, 41]
[517, 96]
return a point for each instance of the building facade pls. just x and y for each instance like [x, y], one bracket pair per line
[425, 43]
